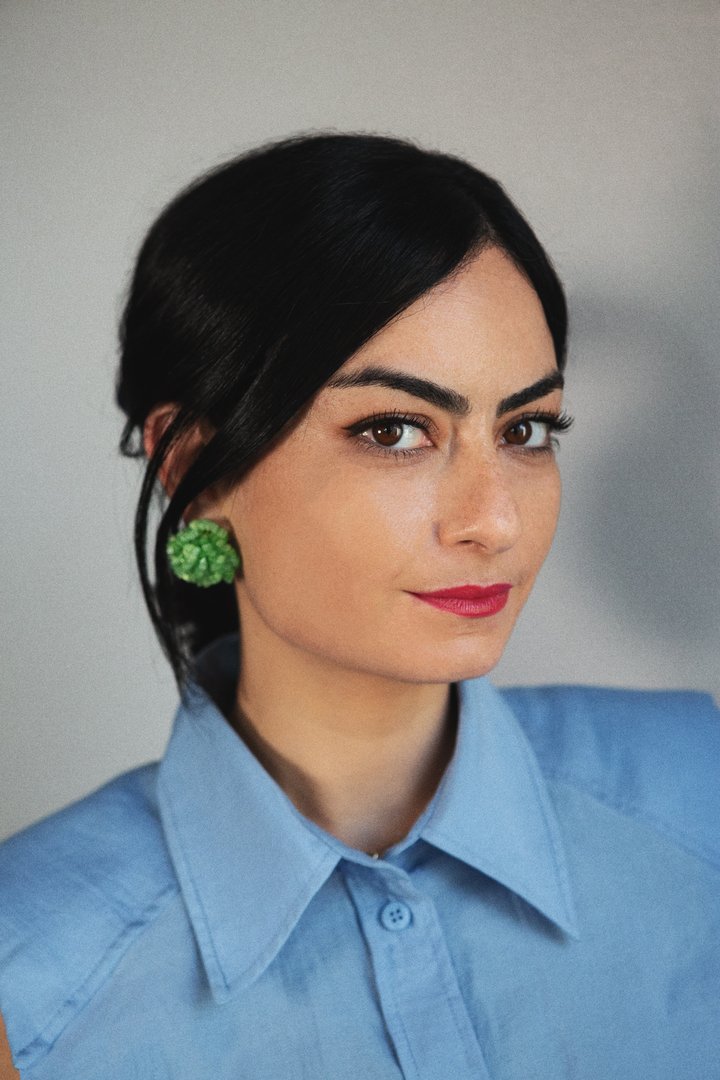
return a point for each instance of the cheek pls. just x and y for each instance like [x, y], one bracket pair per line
[540, 501]
[329, 545]
[325, 576]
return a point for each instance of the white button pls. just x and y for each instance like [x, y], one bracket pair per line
[395, 915]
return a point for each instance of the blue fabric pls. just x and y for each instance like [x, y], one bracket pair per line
[553, 914]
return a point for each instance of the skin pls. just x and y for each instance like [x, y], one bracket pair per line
[7, 1071]
[345, 691]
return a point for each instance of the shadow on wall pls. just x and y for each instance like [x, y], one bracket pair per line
[644, 485]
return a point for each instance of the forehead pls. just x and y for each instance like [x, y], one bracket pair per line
[481, 331]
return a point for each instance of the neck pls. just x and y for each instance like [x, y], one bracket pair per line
[358, 754]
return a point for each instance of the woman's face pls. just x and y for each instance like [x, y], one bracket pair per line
[338, 528]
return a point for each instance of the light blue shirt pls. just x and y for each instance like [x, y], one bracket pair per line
[554, 914]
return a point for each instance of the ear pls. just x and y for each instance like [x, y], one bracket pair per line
[180, 456]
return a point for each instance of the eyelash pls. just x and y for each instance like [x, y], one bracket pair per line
[558, 422]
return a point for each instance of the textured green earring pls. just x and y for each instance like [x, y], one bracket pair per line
[201, 553]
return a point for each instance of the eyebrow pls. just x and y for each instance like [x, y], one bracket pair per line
[442, 396]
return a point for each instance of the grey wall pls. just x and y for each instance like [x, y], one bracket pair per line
[602, 121]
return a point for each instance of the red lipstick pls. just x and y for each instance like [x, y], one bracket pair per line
[476, 601]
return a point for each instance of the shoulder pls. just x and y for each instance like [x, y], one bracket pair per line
[653, 754]
[76, 889]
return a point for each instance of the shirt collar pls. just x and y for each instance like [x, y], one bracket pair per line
[493, 809]
[248, 862]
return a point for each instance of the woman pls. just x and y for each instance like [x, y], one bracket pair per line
[343, 357]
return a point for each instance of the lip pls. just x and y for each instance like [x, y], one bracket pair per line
[468, 592]
[473, 601]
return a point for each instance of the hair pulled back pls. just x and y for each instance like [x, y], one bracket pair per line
[256, 283]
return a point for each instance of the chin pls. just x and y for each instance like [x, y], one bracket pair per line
[459, 660]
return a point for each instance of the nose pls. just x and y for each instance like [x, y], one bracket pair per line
[480, 507]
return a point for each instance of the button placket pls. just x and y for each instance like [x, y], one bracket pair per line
[421, 1001]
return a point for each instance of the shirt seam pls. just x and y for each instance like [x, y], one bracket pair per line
[399, 1014]
[73, 1005]
[634, 811]
[453, 994]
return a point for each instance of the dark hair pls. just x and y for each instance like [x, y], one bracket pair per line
[262, 278]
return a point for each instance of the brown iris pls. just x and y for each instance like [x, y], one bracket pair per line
[523, 431]
[385, 428]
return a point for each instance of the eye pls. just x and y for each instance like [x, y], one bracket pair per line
[531, 432]
[528, 433]
[383, 433]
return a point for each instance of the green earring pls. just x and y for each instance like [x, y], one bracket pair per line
[201, 554]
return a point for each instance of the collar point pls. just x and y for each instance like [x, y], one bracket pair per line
[567, 920]
[223, 991]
